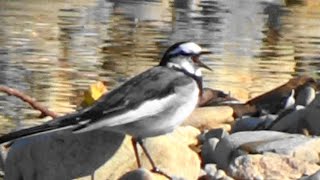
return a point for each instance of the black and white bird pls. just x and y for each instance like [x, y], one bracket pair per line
[152, 103]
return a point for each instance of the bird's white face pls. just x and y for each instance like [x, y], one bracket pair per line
[185, 56]
[186, 64]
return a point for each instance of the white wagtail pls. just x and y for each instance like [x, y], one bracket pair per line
[152, 103]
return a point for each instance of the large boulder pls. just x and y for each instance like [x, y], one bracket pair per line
[60, 155]
[102, 154]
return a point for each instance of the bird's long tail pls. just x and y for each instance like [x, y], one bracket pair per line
[55, 124]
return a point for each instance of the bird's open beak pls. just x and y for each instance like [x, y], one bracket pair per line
[200, 63]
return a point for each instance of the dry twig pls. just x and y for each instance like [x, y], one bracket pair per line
[34, 104]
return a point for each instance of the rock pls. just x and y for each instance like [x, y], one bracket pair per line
[270, 166]
[208, 150]
[121, 162]
[141, 174]
[298, 146]
[61, 155]
[301, 120]
[210, 169]
[253, 123]
[273, 101]
[305, 95]
[216, 133]
[210, 118]
[173, 155]
[212, 173]
[316, 101]
[315, 176]
[248, 124]
[211, 139]
[291, 123]
[107, 155]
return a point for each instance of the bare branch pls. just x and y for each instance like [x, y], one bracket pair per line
[34, 104]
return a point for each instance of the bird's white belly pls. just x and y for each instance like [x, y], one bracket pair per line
[165, 121]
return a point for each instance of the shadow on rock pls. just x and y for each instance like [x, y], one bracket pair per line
[60, 155]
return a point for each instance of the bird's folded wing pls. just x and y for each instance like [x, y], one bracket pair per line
[141, 96]
[134, 101]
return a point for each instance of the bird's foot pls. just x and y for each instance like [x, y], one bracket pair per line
[159, 171]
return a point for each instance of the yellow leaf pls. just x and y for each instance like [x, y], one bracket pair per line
[93, 93]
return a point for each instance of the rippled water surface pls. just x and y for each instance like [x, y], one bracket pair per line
[53, 50]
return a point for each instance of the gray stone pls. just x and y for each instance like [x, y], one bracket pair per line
[216, 133]
[138, 174]
[305, 96]
[60, 155]
[210, 140]
[253, 123]
[316, 101]
[207, 150]
[247, 124]
[302, 120]
[298, 146]
[311, 121]
[289, 122]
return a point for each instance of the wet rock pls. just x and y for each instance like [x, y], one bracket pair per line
[211, 118]
[298, 146]
[270, 166]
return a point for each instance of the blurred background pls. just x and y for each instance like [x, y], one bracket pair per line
[53, 50]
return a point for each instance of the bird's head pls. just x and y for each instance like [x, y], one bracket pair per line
[185, 56]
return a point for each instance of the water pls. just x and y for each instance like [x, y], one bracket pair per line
[53, 50]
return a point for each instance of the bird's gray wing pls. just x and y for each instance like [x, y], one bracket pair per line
[144, 95]
[152, 85]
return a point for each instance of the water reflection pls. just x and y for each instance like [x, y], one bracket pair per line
[53, 50]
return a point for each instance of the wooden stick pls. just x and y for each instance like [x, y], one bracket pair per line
[35, 105]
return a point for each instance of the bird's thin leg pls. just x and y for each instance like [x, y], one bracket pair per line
[136, 153]
[154, 167]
